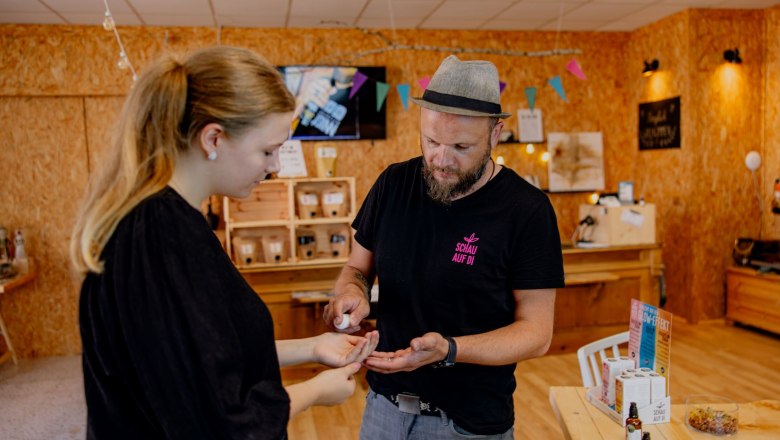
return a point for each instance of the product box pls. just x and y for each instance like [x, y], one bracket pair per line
[647, 383]
[650, 414]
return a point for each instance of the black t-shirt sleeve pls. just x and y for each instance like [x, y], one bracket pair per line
[537, 261]
[175, 319]
[365, 223]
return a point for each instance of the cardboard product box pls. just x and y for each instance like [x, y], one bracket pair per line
[620, 225]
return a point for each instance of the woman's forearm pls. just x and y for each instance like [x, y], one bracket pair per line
[295, 351]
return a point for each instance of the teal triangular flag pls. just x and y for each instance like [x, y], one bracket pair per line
[530, 96]
[381, 94]
[403, 92]
[556, 83]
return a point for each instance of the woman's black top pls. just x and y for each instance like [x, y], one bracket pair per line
[176, 345]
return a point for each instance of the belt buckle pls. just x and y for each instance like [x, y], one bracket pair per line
[409, 403]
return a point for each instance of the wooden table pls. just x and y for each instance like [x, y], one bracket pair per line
[581, 420]
[7, 286]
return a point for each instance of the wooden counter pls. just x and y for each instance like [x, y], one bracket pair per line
[600, 284]
[580, 420]
[753, 298]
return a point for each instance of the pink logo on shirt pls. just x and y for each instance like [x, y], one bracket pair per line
[465, 252]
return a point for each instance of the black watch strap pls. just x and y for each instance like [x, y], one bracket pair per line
[448, 361]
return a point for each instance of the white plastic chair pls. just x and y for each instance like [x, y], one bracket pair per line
[590, 367]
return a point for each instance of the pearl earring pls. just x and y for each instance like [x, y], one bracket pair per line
[212, 155]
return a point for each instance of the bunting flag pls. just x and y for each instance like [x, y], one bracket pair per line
[530, 96]
[381, 94]
[575, 69]
[403, 92]
[557, 84]
[357, 83]
[501, 87]
[424, 81]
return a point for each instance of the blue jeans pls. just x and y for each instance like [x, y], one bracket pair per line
[382, 420]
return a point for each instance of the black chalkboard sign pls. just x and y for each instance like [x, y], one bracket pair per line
[659, 124]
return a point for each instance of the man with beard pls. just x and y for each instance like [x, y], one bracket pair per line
[468, 257]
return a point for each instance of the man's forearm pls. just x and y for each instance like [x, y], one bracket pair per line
[353, 280]
[516, 342]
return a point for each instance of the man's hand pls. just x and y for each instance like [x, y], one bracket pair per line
[354, 303]
[427, 349]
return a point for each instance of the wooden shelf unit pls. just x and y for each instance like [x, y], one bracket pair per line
[291, 224]
[753, 298]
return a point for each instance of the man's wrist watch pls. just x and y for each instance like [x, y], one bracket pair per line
[449, 360]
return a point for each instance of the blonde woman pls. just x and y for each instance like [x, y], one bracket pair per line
[176, 345]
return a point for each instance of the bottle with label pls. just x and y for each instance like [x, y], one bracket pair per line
[633, 424]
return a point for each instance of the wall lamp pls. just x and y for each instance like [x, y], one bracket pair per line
[732, 56]
[650, 67]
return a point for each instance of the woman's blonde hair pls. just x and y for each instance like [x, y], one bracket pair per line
[163, 115]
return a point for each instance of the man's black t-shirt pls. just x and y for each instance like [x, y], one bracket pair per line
[452, 269]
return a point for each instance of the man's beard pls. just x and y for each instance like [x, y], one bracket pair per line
[444, 192]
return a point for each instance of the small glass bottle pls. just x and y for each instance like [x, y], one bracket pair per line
[645, 436]
[633, 424]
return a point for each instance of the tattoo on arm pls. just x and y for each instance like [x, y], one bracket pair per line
[363, 282]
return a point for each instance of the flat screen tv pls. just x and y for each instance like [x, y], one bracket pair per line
[323, 106]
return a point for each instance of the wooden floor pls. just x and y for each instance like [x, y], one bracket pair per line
[710, 357]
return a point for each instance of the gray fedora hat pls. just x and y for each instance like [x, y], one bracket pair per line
[468, 88]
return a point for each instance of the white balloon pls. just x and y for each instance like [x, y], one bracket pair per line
[753, 160]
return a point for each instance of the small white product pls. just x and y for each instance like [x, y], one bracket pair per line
[344, 322]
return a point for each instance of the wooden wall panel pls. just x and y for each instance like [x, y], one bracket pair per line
[44, 174]
[101, 114]
[663, 175]
[770, 170]
[728, 124]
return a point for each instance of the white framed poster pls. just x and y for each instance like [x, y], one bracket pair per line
[529, 126]
[576, 161]
[291, 160]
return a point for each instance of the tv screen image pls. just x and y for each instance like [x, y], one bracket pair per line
[323, 107]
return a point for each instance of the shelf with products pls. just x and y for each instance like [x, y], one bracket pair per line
[291, 223]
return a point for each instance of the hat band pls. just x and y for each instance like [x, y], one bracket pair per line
[461, 102]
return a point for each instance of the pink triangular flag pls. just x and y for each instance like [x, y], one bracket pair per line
[424, 81]
[357, 83]
[501, 87]
[575, 69]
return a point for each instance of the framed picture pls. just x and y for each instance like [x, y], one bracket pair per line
[659, 124]
[576, 161]
[626, 192]
[529, 125]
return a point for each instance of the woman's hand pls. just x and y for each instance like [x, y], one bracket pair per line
[339, 349]
[335, 386]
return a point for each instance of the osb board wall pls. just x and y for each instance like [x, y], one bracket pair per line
[729, 124]
[704, 187]
[662, 175]
[62, 61]
[770, 169]
[44, 165]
